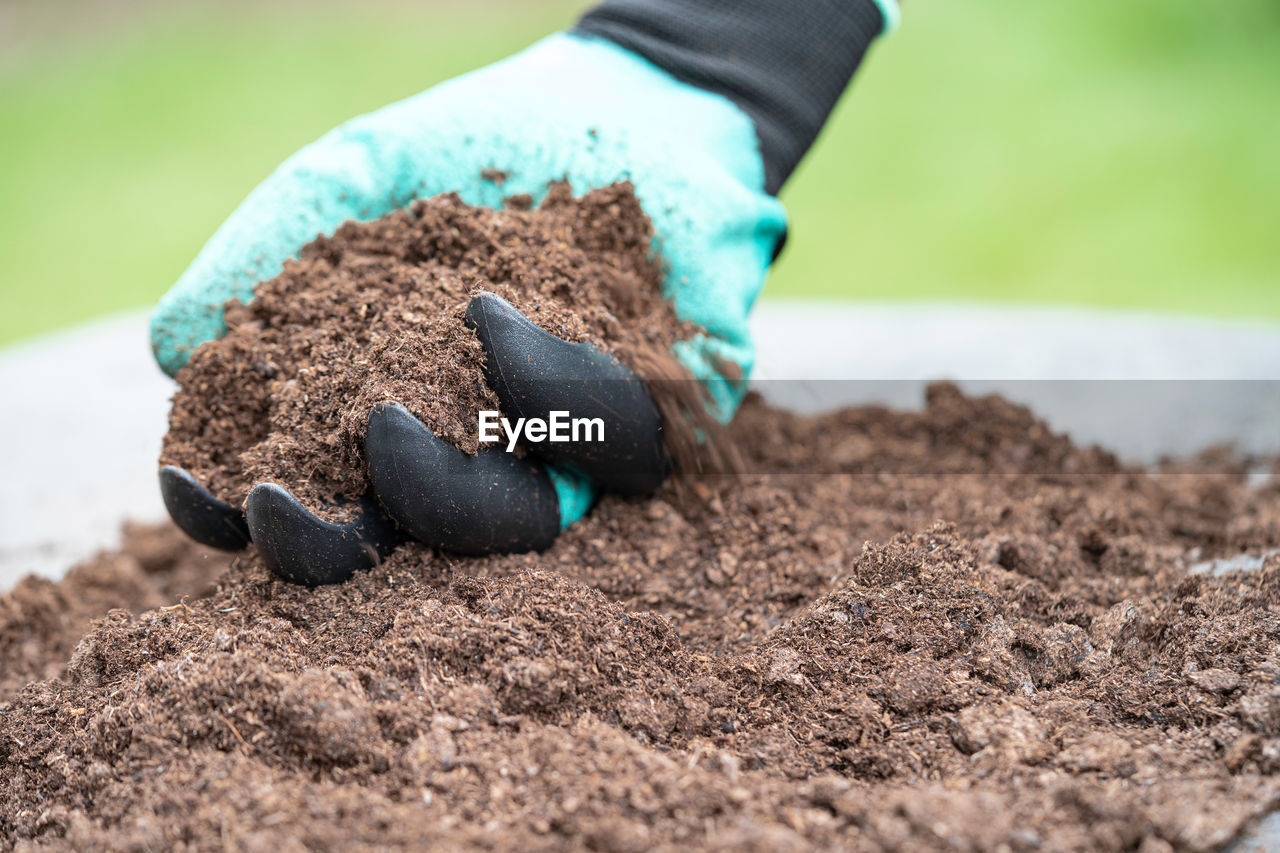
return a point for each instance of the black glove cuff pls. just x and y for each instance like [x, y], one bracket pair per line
[785, 63]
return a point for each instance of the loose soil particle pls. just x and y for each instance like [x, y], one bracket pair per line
[976, 637]
[375, 313]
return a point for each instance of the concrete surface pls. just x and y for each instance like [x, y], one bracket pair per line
[1265, 837]
[1142, 385]
[1237, 563]
[84, 409]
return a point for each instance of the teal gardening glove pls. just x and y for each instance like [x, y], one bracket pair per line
[576, 106]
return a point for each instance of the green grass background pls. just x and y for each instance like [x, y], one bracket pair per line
[1123, 154]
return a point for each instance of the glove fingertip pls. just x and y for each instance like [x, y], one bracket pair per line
[178, 330]
[169, 354]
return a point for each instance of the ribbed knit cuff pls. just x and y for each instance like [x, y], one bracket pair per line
[784, 63]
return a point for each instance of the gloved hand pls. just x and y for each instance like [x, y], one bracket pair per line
[574, 106]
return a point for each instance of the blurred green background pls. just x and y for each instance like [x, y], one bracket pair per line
[1106, 153]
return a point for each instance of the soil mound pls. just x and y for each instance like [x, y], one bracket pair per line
[41, 621]
[375, 313]
[998, 646]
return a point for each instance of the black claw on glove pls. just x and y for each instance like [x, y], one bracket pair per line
[492, 502]
[535, 373]
[199, 514]
[303, 548]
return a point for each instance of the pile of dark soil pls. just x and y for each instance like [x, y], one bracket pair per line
[1014, 659]
[41, 621]
[375, 313]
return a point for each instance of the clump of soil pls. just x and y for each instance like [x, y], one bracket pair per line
[41, 621]
[375, 314]
[1013, 659]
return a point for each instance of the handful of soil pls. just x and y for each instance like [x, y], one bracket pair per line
[375, 314]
